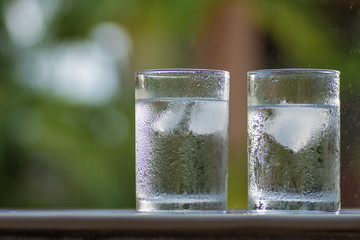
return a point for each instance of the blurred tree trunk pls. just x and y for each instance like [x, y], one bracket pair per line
[229, 41]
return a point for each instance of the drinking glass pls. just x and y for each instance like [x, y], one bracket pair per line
[293, 140]
[181, 140]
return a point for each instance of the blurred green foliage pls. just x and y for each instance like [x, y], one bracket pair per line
[55, 152]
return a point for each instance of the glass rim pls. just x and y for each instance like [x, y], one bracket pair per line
[162, 71]
[280, 71]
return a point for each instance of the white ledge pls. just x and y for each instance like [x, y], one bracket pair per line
[130, 220]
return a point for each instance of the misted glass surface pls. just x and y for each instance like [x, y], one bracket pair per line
[182, 140]
[294, 140]
[67, 126]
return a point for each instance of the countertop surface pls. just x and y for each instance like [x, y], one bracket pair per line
[130, 220]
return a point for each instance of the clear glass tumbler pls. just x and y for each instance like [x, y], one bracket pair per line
[293, 140]
[181, 140]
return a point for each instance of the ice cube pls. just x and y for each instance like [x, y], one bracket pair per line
[294, 127]
[209, 117]
[170, 118]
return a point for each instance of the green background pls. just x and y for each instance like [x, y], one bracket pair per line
[63, 148]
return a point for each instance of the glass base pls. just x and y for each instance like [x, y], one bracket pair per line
[294, 202]
[181, 205]
[292, 212]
